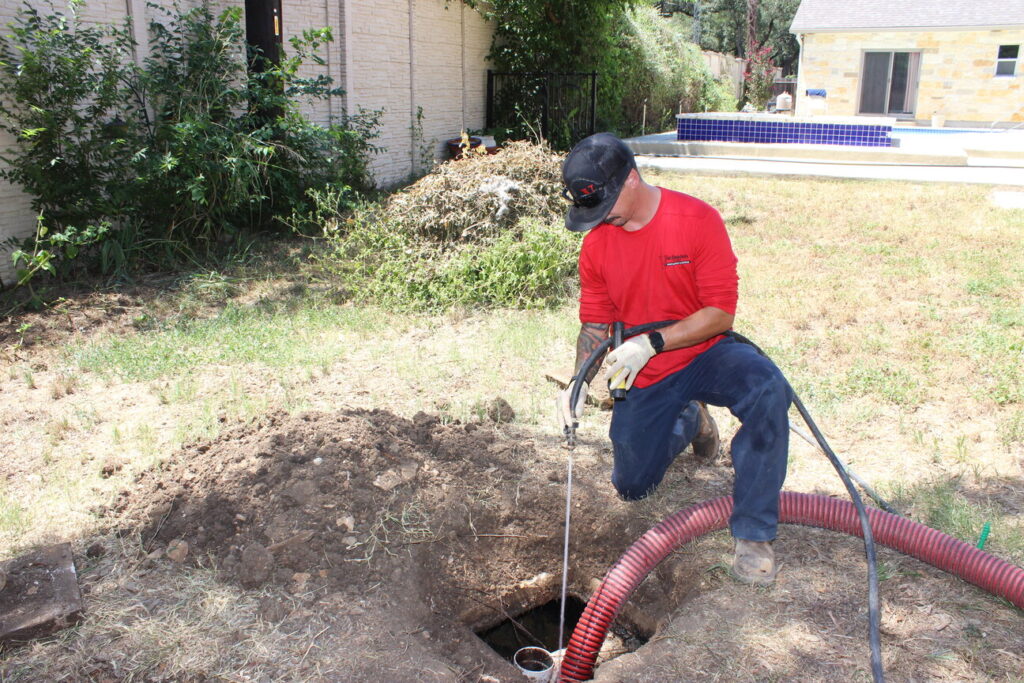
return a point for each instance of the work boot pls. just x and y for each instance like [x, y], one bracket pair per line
[754, 562]
[705, 444]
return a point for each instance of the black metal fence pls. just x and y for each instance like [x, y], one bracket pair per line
[562, 107]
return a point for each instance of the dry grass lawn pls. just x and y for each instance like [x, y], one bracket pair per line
[895, 309]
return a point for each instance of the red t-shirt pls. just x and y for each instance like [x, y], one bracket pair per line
[674, 266]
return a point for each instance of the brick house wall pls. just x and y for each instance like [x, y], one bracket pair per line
[395, 57]
[957, 78]
[403, 56]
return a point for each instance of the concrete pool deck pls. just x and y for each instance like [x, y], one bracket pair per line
[931, 160]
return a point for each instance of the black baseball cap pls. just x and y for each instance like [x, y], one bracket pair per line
[594, 173]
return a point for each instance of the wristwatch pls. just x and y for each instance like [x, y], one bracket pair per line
[657, 341]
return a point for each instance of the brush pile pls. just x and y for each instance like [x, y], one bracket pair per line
[481, 196]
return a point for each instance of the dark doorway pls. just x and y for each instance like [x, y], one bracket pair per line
[263, 32]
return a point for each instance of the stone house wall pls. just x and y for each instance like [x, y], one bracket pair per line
[957, 78]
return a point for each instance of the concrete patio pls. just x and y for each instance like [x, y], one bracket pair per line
[995, 159]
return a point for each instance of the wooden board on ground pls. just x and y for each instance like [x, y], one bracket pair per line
[40, 595]
[598, 395]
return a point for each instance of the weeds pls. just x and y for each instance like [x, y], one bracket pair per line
[14, 518]
[393, 530]
[64, 384]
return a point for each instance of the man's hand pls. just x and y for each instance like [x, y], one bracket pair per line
[568, 417]
[628, 360]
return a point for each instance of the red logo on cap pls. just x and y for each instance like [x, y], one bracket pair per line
[588, 189]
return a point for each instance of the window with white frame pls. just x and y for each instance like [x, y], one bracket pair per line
[1006, 61]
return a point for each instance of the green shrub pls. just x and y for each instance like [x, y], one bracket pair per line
[638, 58]
[63, 99]
[376, 261]
[129, 166]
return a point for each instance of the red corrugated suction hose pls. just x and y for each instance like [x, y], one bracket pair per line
[934, 547]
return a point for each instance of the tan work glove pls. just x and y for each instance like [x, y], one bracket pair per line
[566, 415]
[628, 360]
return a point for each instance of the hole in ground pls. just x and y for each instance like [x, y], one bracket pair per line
[538, 627]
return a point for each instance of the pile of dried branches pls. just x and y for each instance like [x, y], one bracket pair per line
[482, 195]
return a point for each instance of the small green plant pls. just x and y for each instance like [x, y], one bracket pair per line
[1011, 428]
[424, 159]
[14, 518]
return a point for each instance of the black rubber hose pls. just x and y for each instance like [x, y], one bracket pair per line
[874, 631]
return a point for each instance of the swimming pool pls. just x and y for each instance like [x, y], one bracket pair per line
[852, 131]
[907, 130]
[986, 141]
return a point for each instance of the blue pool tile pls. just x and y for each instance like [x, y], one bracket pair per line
[778, 132]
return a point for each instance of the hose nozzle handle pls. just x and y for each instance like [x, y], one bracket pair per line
[617, 394]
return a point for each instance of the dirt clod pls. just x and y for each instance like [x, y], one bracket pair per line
[177, 550]
[499, 410]
[111, 466]
[255, 566]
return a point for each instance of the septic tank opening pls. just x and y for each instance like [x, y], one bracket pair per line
[538, 627]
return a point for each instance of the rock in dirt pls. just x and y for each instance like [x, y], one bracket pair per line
[111, 466]
[299, 581]
[272, 609]
[177, 551]
[256, 565]
[291, 543]
[300, 492]
[391, 478]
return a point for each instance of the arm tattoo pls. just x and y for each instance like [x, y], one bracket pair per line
[591, 336]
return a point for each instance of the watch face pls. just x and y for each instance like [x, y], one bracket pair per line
[657, 341]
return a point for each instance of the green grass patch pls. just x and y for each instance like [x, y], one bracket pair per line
[945, 506]
[14, 518]
[893, 384]
[303, 334]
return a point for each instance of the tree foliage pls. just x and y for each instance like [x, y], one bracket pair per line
[664, 73]
[637, 60]
[723, 28]
[552, 35]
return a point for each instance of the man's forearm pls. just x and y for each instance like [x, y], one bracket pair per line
[696, 328]
[591, 336]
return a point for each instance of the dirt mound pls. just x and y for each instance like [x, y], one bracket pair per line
[465, 518]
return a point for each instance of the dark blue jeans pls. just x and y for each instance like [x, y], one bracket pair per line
[652, 425]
